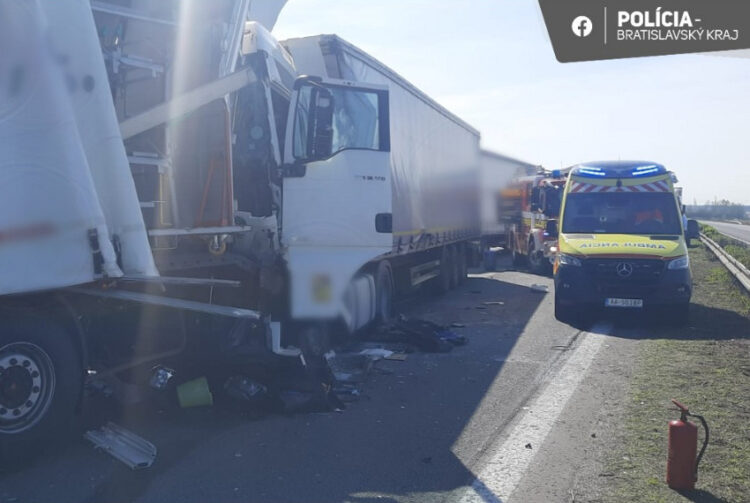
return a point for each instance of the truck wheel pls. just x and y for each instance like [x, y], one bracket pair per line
[462, 263]
[384, 292]
[517, 257]
[443, 281]
[536, 258]
[455, 269]
[40, 382]
[489, 259]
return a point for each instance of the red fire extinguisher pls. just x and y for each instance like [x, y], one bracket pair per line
[682, 464]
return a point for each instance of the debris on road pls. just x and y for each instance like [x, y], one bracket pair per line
[160, 377]
[494, 303]
[376, 353]
[123, 445]
[397, 357]
[539, 288]
[245, 394]
[425, 335]
[195, 393]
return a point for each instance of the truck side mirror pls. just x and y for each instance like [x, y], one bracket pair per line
[321, 120]
[692, 231]
[551, 228]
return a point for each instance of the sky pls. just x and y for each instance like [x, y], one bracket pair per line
[491, 63]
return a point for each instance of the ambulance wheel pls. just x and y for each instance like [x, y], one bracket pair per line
[565, 314]
[678, 315]
[40, 383]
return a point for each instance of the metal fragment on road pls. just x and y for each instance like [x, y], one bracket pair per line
[539, 288]
[124, 445]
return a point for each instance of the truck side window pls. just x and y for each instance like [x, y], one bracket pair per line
[355, 122]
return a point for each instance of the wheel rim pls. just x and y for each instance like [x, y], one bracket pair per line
[27, 384]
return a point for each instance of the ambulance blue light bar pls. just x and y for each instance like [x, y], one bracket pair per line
[619, 169]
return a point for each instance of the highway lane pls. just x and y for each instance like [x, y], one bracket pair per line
[418, 434]
[519, 415]
[737, 231]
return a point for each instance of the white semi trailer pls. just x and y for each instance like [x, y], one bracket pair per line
[497, 171]
[276, 209]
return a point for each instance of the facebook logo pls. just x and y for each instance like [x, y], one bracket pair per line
[582, 26]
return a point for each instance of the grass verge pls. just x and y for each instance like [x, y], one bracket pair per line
[704, 365]
[735, 248]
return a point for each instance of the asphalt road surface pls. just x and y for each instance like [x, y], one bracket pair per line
[737, 231]
[509, 417]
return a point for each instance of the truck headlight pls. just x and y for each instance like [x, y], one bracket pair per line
[679, 263]
[569, 260]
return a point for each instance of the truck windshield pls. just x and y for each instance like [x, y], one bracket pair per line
[621, 213]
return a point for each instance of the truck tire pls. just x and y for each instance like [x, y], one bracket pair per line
[384, 292]
[536, 259]
[462, 263]
[489, 258]
[40, 382]
[455, 269]
[443, 281]
[517, 257]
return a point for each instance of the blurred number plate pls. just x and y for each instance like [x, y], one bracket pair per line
[623, 302]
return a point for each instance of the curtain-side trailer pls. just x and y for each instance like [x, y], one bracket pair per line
[422, 181]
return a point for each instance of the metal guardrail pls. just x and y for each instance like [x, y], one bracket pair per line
[735, 267]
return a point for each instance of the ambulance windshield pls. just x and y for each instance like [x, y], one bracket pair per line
[621, 213]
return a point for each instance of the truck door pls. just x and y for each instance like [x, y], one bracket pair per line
[337, 183]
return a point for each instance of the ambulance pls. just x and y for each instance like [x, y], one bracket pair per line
[621, 243]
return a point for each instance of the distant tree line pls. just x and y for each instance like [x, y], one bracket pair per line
[719, 209]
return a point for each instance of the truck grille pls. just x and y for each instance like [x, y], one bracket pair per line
[624, 276]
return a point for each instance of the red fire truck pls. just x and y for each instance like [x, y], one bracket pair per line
[530, 207]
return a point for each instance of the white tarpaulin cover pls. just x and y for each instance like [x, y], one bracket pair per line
[497, 171]
[434, 155]
[58, 155]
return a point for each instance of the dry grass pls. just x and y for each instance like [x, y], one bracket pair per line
[706, 366]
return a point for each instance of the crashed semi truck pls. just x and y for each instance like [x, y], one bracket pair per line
[173, 191]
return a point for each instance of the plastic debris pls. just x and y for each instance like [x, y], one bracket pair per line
[539, 288]
[160, 377]
[376, 353]
[245, 394]
[494, 303]
[195, 393]
[123, 445]
[425, 335]
[397, 357]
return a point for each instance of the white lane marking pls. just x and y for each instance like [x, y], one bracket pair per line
[508, 459]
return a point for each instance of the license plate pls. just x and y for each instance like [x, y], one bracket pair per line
[624, 303]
